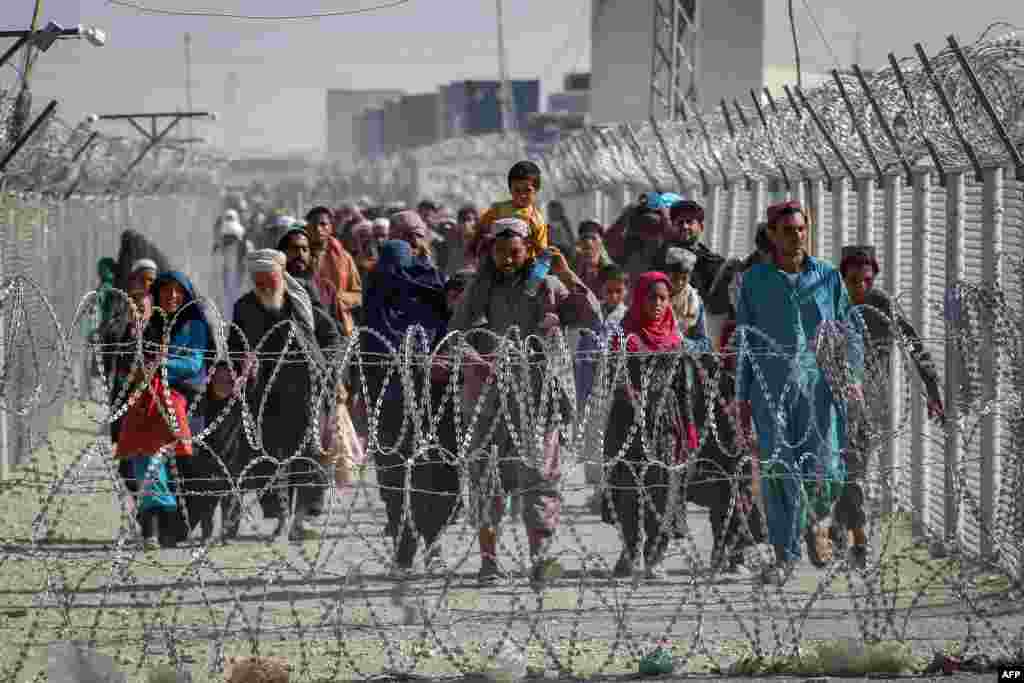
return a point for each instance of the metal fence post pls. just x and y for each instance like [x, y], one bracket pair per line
[729, 227]
[818, 228]
[5, 245]
[892, 463]
[840, 215]
[798, 191]
[866, 211]
[991, 426]
[955, 244]
[756, 210]
[920, 446]
[712, 219]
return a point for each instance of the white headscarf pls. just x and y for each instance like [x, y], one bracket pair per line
[231, 226]
[269, 260]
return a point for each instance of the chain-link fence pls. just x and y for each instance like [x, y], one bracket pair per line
[50, 251]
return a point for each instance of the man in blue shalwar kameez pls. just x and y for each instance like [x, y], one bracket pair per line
[797, 414]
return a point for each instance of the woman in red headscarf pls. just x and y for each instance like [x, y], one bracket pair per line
[650, 427]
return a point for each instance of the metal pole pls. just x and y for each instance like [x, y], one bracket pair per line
[956, 229]
[818, 229]
[884, 123]
[712, 217]
[932, 152]
[993, 213]
[756, 209]
[986, 103]
[764, 125]
[866, 211]
[840, 215]
[858, 126]
[507, 121]
[891, 464]
[728, 228]
[188, 82]
[950, 112]
[920, 443]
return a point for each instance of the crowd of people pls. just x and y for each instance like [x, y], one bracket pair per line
[755, 387]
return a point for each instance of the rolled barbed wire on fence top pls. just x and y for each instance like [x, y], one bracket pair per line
[790, 139]
[55, 161]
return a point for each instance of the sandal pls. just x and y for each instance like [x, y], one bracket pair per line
[819, 545]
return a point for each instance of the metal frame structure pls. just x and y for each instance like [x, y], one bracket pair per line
[153, 136]
[674, 58]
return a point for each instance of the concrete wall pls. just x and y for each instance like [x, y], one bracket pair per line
[731, 50]
[620, 60]
[342, 108]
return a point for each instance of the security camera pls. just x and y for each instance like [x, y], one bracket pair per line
[92, 118]
[213, 116]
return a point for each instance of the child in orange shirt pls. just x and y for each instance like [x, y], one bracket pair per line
[524, 181]
[523, 185]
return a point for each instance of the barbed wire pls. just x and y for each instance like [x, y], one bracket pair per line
[895, 118]
[60, 158]
[76, 570]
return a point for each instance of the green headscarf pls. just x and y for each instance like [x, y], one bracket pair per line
[107, 267]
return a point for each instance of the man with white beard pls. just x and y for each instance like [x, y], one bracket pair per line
[287, 386]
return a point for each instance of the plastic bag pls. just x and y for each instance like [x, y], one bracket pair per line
[658, 661]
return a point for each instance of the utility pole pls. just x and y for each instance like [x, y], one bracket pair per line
[505, 99]
[188, 81]
[232, 91]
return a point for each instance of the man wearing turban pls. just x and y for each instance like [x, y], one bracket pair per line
[281, 356]
[786, 308]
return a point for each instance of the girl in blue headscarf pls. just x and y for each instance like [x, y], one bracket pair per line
[405, 293]
[158, 421]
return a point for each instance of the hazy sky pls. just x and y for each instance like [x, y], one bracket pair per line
[283, 68]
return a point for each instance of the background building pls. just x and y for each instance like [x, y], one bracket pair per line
[471, 107]
[370, 134]
[575, 97]
[343, 106]
[421, 120]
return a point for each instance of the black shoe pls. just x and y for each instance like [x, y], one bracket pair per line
[858, 557]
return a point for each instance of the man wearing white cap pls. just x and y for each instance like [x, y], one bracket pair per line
[686, 302]
[529, 466]
[285, 395]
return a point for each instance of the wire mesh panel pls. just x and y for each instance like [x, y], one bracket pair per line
[50, 253]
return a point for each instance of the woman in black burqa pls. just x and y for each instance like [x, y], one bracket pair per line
[404, 293]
